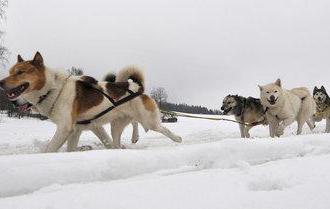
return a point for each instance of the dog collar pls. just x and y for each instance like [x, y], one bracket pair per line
[43, 97]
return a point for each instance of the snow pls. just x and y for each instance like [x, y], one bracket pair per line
[212, 168]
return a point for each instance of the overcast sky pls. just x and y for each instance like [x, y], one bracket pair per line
[199, 50]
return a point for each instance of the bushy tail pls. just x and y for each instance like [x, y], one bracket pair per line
[110, 77]
[301, 92]
[308, 106]
[133, 73]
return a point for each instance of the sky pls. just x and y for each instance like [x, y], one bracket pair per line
[198, 50]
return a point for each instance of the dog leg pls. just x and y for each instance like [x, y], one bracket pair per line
[117, 127]
[100, 132]
[242, 130]
[311, 123]
[327, 125]
[135, 134]
[300, 126]
[73, 140]
[246, 131]
[273, 125]
[161, 129]
[61, 135]
[285, 123]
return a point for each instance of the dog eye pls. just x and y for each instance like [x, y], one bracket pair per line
[19, 72]
[267, 92]
[275, 91]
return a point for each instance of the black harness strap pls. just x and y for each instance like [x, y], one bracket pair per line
[131, 96]
[43, 97]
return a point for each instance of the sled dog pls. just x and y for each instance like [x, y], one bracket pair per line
[24, 106]
[283, 107]
[68, 100]
[322, 101]
[246, 110]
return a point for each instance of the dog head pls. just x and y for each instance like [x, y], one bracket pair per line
[24, 77]
[232, 104]
[270, 94]
[320, 94]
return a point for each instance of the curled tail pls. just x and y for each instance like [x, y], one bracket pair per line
[131, 73]
[301, 92]
[110, 77]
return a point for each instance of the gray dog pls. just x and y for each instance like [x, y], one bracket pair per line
[246, 110]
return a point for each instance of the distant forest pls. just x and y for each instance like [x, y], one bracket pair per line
[160, 96]
[194, 109]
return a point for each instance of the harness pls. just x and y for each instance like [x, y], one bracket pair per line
[45, 96]
[115, 104]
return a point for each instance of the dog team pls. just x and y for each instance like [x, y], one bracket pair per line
[279, 108]
[78, 103]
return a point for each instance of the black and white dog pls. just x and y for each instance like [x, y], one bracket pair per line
[246, 110]
[322, 101]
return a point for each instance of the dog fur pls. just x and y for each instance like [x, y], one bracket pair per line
[69, 101]
[246, 110]
[283, 107]
[322, 101]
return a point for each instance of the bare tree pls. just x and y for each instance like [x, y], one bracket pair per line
[3, 49]
[75, 71]
[159, 95]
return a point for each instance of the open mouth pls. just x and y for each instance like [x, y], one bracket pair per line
[25, 107]
[226, 111]
[16, 92]
[272, 101]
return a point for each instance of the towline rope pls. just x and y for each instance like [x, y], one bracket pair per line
[209, 118]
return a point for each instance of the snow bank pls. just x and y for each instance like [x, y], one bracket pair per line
[22, 174]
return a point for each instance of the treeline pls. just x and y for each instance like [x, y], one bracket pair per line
[159, 94]
[194, 109]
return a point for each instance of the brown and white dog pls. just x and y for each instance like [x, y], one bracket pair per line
[66, 99]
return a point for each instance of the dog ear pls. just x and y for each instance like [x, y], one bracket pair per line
[278, 82]
[322, 88]
[260, 87]
[38, 60]
[19, 58]
[315, 89]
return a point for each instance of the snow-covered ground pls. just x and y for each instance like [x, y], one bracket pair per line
[212, 168]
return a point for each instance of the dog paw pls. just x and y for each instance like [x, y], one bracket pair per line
[84, 148]
[177, 139]
[135, 140]
[118, 147]
[280, 131]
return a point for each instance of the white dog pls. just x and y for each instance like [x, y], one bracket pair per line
[283, 107]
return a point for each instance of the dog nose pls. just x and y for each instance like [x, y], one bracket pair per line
[319, 98]
[222, 108]
[272, 97]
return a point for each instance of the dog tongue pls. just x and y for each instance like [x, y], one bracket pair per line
[24, 108]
